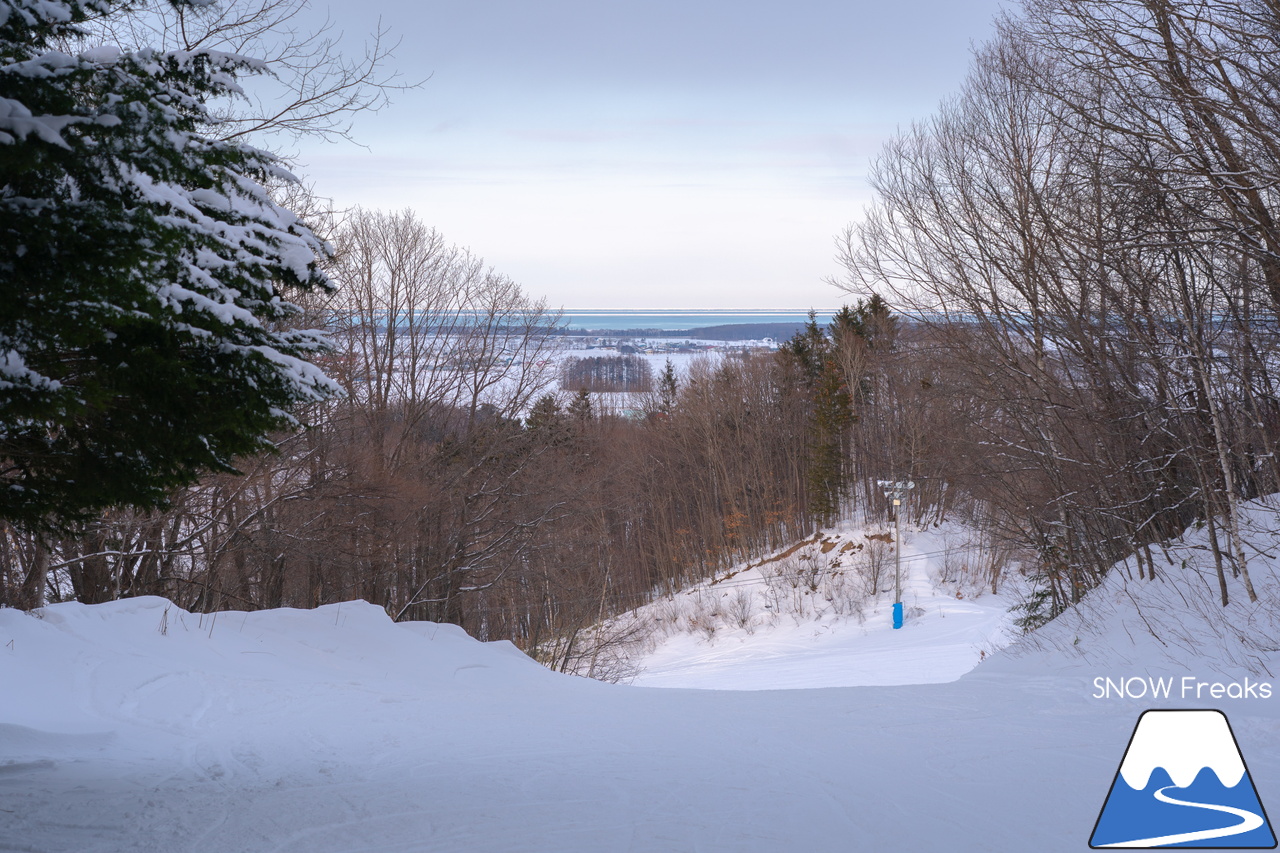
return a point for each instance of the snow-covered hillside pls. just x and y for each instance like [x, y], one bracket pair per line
[820, 615]
[133, 726]
[1176, 621]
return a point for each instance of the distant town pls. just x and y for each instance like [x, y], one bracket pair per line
[636, 345]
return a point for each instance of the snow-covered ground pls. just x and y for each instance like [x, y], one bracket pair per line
[133, 726]
[819, 617]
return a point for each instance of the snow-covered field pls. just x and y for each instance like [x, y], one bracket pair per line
[133, 726]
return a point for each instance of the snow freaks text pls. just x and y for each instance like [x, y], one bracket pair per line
[1186, 687]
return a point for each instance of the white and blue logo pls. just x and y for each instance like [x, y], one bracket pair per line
[1183, 783]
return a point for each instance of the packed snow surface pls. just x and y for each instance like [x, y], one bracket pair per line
[134, 726]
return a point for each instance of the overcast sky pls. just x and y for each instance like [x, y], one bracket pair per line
[611, 153]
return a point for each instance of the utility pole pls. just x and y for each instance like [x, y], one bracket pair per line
[897, 490]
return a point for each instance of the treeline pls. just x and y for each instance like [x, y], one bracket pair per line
[605, 373]
[1087, 236]
[451, 483]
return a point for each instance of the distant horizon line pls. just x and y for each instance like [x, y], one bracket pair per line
[804, 309]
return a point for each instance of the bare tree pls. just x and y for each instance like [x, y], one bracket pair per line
[314, 87]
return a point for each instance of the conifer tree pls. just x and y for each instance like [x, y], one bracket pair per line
[830, 421]
[544, 413]
[668, 388]
[810, 347]
[830, 416]
[859, 331]
[547, 422]
[580, 407]
[144, 329]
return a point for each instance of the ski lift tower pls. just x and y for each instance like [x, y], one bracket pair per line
[896, 490]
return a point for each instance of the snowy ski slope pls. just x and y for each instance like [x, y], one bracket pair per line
[133, 726]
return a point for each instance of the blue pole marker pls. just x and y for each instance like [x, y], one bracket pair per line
[897, 614]
[1183, 783]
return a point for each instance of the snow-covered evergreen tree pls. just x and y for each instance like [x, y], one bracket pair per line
[144, 333]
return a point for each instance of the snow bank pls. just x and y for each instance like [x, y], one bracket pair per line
[139, 669]
[119, 641]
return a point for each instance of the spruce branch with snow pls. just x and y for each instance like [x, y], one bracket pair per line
[144, 329]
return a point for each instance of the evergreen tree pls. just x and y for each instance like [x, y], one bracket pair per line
[144, 332]
[869, 321]
[861, 330]
[829, 423]
[544, 414]
[830, 415]
[668, 388]
[580, 407]
[810, 348]
[547, 423]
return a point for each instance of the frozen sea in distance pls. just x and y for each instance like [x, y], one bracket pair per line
[674, 319]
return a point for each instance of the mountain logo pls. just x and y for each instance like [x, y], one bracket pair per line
[1183, 783]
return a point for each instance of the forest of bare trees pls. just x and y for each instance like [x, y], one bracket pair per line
[451, 481]
[1086, 237]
